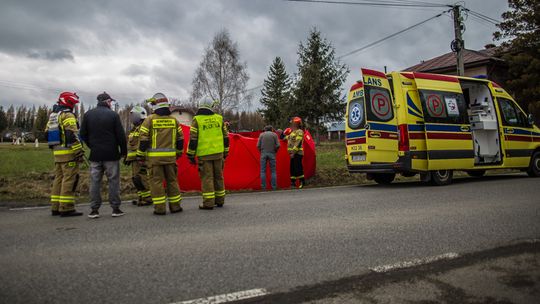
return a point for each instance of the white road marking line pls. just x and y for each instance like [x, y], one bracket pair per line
[228, 297]
[49, 206]
[415, 262]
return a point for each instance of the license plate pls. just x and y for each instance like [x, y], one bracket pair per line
[358, 158]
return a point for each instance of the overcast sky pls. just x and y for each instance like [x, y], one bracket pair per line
[134, 48]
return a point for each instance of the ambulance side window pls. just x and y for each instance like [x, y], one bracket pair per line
[378, 104]
[444, 107]
[511, 114]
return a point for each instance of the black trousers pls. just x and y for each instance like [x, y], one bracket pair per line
[297, 169]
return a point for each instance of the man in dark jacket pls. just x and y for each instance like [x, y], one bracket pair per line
[103, 133]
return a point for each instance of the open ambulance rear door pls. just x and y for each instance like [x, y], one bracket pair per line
[448, 132]
[372, 138]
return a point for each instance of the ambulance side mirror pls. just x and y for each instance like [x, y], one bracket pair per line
[530, 119]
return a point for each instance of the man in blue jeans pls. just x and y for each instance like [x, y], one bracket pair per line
[268, 145]
[103, 133]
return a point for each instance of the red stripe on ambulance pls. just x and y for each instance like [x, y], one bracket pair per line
[458, 136]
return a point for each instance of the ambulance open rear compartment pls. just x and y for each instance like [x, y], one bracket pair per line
[484, 123]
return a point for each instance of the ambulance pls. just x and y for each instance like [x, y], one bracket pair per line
[413, 123]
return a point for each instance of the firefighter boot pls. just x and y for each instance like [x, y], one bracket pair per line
[54, 209]
[67, 210]
[220, 201]
[160, 209]
[175, 207]
[147, 201]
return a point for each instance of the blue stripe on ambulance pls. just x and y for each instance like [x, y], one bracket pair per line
[416, 128]
[414, 114]
[518, 132]
[413, 109]
[356, 134]
[382, 127]
[443, 128]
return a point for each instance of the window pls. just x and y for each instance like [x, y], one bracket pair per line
[444, 107]
[378, 104]
[357, 116]
[511, 114]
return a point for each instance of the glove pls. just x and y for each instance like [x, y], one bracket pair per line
[192, 160]
[127, 162]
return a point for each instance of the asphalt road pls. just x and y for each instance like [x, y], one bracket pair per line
[276, 240]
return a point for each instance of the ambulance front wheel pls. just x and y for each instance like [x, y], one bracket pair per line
[384, 178]
[441, 177]
[534, 167]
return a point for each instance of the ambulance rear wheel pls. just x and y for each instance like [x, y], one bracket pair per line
[476, 173]
[534, 167]
[384, 178]
[441, 177]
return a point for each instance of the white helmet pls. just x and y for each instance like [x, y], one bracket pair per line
[207, 102]
[137, 115]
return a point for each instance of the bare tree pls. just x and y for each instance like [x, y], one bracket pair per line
[221, 75]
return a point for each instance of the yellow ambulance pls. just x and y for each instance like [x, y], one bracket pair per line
[412, 123]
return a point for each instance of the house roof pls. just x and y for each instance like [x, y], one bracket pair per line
[448, 60]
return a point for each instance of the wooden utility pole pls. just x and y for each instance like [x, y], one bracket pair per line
[458, 44]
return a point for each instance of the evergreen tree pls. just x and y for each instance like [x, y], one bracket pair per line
[3, 121]
[30, 117]
[10, 116]
[276, 95]
[20, 118]
[522, 52]
[317, 91]
[42, 116]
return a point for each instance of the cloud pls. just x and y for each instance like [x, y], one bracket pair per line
[134, 48]
[62, 54]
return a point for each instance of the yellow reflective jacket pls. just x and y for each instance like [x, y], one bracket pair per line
[295, 141]
[160, 139]
[133, 142]
[70, 144]
[209, 137]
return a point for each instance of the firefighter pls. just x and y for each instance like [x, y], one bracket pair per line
[161, 143]
[63, 138]
[209, 141]
[139, 174]
[296, 152]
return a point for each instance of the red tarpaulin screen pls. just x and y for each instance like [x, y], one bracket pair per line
[242, 166]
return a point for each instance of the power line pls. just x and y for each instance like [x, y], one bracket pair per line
[389, 36]
[420, 4]
[482, 16]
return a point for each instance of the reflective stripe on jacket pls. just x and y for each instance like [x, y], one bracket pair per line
[162, 133]
[69, 138]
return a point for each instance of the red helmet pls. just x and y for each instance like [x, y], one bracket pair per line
[287, 131]
[297, 120]
[68, 99]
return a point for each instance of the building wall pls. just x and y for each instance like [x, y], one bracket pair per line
[471, 72]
